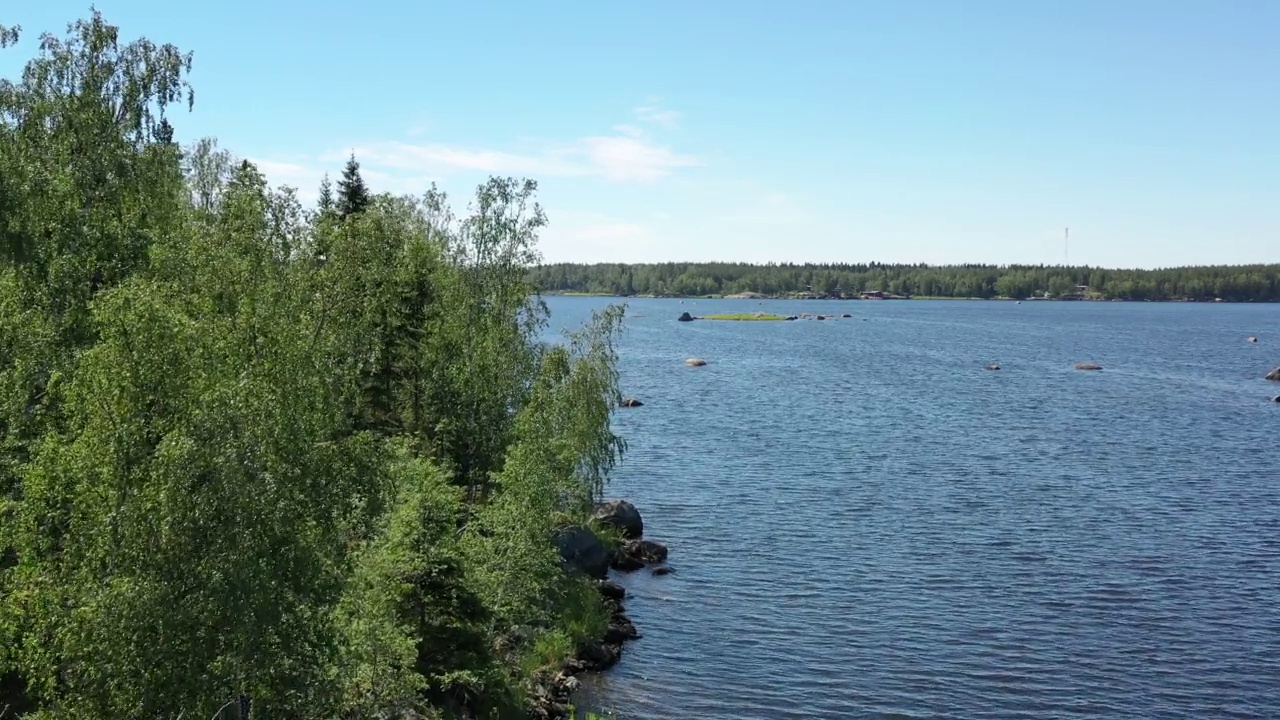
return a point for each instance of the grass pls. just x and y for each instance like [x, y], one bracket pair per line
[744, 316]
[549, 650]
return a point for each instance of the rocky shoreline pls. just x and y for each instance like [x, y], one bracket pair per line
[583, 551]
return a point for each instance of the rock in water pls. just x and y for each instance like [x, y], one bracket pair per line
[622, 515]
[1276, 399]
[1251, 339]
[1274, 374]
[695, 362]
[619, 631]
[601, 656]
[993, 366]
[1088, 366]
[662, 570]
[647, 551]
[626, 563]
[635, 554]
[581, 550]
[685, 317]
[631, 402]
[612, 590]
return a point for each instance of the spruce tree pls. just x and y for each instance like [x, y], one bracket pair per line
[353, 196]
[325, 205]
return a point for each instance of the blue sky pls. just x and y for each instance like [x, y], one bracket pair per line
[897, 131]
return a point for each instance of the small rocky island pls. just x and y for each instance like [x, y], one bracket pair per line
[756, 316]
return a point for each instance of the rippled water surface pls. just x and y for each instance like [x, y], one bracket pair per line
[866, 523]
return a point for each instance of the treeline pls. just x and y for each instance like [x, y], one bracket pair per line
[310, 459]
[1244, 283]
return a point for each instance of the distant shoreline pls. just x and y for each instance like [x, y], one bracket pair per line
[1243, 283]
[1216, 301]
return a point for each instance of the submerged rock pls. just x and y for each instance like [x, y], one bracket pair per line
[1088, 366]
[685, 317]
[581, 550]
[662, 570]
[695, 362]
[630, 402]
[622, 515]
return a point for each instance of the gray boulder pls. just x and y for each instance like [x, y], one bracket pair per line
[581, 550]
[1088, 366]
[685, 317]
[622, 515]
[1274, 374]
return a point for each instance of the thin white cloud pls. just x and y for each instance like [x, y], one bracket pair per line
[575, 235]
[626, 154]
[623, 157]
[657, 115]
[442, 158]
[283, 173]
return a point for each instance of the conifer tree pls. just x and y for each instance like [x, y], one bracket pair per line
[353, 195]
[325, 203]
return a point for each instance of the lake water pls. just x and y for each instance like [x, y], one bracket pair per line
[865, 523]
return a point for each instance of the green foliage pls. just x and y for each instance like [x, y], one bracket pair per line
[1244, 283]
[314, 458]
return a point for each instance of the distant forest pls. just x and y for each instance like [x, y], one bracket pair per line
[1239, 283]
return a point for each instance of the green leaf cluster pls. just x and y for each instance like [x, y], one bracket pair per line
[315, 458]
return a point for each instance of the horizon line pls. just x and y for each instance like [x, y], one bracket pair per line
[768, 263]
